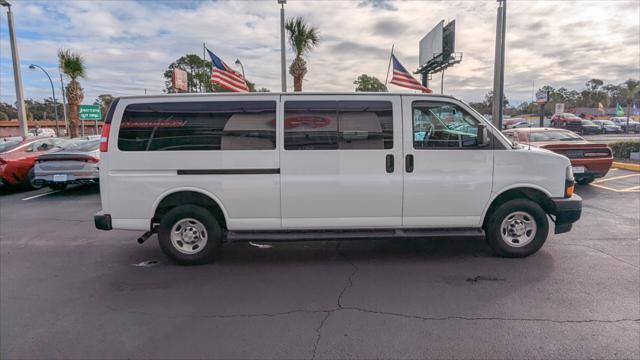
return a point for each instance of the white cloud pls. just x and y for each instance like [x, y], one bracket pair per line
[128, 44]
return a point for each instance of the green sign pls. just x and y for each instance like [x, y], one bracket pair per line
[90, 112]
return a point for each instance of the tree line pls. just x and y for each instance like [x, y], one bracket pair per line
[44, 110]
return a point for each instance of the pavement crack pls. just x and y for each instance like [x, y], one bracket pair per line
[350, 278]
[606, 253]
[319, 332]
[444, 318]
[483, 278]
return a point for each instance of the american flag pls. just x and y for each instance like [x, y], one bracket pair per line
[223, 75]
[402, 77]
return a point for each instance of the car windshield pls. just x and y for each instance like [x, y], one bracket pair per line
[587, 122]
[82, 145]
[538, 136]
[607, 122]
[8, 145]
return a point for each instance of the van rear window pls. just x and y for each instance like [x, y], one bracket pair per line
[178, 126]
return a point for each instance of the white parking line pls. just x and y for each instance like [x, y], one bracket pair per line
[41, 195]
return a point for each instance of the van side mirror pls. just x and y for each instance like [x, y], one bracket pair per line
[482, 135]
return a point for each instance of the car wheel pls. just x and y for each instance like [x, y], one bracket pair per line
[585, 181]
[517, 228]
[58, 186]
[190, 235]
[29, 182]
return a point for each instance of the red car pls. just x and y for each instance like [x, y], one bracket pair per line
[17, 158]
[589, 160]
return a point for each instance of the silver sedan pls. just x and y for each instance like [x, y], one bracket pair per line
[76, 163]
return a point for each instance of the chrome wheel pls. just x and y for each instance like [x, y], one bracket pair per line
[518, 229]
[189, 236]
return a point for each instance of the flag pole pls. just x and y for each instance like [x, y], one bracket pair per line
[204, 57]
[389, 66]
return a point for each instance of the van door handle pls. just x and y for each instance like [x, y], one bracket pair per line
[409, 163]
[389, 163]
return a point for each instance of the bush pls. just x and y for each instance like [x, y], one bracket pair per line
[3, 116]
[623, 149]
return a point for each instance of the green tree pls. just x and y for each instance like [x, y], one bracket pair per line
[104, 101]
[73, 65]
[365, 82]
[302, 38]
[3, 116]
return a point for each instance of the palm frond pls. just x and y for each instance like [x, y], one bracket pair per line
[302, 37]
[72, 64]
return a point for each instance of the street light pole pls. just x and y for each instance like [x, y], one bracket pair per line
[238, 62]
[283, 56]
[17, 76]
[498, 70]
[55, 103]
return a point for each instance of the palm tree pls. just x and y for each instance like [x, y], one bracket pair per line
[72, 65]
[630, 90]
[303, 38]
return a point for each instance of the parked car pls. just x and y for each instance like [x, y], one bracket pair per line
[509, 123]
[42, 132]
[634, 126]
[17, 159]
[608, 126]
[587, 127]
[566, 121]
[200, 170]
[589, 160]
[76, 163]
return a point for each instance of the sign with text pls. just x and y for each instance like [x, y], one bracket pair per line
[90, 112]
[180, 80]
[542, 97]
[559, 108]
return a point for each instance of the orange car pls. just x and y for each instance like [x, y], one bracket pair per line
[17, 158]
[589, 160]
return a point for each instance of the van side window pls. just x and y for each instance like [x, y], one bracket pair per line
[212, 125]
[443, 126]
[332, 125]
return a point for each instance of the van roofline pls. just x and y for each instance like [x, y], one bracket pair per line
[222, 94]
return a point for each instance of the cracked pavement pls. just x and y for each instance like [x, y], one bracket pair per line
[68, 290]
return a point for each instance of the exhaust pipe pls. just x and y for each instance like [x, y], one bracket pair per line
[144, 237]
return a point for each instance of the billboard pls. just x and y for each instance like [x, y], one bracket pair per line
[431, 44]
[179, 79]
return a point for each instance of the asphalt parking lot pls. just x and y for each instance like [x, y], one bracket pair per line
[69, 290]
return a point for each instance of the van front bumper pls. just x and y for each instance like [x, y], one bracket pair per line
[102, 221]
[566, 212]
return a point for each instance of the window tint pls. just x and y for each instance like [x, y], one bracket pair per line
[219, 125]
[443, 125]
[330, 125]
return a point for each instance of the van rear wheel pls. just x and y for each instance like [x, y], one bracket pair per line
[517, 228]
[190, 235]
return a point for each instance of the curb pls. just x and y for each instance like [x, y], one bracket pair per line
[626, 166]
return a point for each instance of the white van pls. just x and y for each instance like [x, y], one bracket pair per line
[203, 169]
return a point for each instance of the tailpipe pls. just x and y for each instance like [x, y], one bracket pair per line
[145, 236]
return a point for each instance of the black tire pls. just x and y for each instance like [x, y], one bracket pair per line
[493, 228]
[213, 235]
[585, 181]
[27, 182]
[58, 186]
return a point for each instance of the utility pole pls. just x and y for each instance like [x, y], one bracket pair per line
[17, 75]
[498, 70]
[64, 106]
[283, 56]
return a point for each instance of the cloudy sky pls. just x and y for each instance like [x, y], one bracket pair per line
[128, 44]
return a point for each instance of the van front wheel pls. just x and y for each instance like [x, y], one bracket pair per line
[517, 228]
[190, 235]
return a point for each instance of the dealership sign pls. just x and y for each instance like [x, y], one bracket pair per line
[542, 97]
[90, 112]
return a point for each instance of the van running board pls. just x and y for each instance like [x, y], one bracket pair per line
[309, 235]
